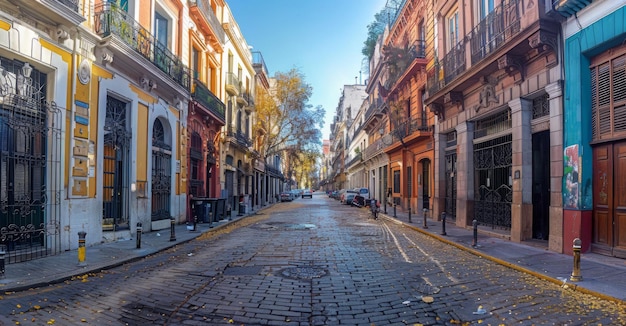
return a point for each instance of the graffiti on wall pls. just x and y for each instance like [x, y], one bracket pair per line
[571, 176]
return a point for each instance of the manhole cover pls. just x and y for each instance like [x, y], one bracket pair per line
[304, 272]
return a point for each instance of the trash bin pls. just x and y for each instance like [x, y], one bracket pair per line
[207, 213]
[220, 212]
[212, 210]
[242, 208]
[199, 209]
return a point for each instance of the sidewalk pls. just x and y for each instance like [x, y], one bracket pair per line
[63, 266]
[602, 276]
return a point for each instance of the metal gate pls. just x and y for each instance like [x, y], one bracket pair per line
[30, 169]
[116, 168]
[161, 173]
[450, 207]
[493, 191]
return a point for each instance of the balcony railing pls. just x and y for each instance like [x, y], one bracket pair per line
[111, 20]
[233, 83]
[407, 128]
[209, 15]
[453, 62]
[241, 138]
[373, 149]
[72, 4]
[257, 60]
[401, 60]
[495, 30]
[357, 158]
[205, 97]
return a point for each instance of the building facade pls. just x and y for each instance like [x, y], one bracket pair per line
[496, 88]
[594, 148]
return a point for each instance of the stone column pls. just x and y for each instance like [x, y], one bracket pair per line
[465, 174]
[439, 166]
[555, 91]
[521, 170]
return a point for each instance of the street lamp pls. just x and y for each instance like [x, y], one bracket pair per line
[27, 70]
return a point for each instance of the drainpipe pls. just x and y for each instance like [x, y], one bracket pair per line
[75, 38]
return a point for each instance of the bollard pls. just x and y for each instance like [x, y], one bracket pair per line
[394, 209]
[576, 277]
[195, 222]
[410, 214]
[172, 229]
[475, 226]
[443, 223]
[425, 226]
[385, 205]
[3, 253]
[81, 248]
[139, 230]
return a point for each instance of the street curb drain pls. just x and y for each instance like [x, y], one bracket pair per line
[304, 272]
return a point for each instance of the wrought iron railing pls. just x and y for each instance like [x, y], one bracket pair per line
[495, 30]
[373, 149]
[205, 97]
[357, 158]
[72, 4]
[233, 81]
[257, 59]
[111, 20]
[241, 138]
[453, 62]
[406, 128]
[433, 81]
[209, 15]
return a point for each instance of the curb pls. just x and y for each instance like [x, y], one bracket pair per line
[505, 263]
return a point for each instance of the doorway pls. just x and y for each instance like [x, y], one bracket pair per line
[541, 185]
[609, 200]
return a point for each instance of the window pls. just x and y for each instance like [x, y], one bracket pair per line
[608, 95]
[486, 7]
[161, 29]
[452, 30]
[195, 62]
[396, 181]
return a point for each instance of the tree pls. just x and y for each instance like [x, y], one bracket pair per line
[285, 120]
[384, 17]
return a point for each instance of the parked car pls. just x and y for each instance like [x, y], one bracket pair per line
[348, 197]
[307, 193]
[286, 196]
[363, 192]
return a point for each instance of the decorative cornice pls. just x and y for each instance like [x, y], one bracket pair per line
[510, 64]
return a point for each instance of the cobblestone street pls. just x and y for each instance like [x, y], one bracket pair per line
[309, 262]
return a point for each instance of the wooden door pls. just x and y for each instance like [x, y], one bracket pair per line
[619, 200]
[609, 200]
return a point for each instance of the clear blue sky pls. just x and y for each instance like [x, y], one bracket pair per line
[323, 39]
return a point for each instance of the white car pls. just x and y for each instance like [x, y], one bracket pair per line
[363, 192]
[307, 193]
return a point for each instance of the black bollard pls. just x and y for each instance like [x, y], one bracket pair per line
[410, 213]
[394, 209]
[475, 226]
[425, 224]
[139, 230]
[443, 223]
[172, 229]
[3, 252]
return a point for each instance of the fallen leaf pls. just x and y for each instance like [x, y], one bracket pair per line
[428, 299]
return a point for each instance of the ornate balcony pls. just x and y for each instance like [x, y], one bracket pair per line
[495, 30]
[203, 13]
[402, 63]
[233, 85]
[111, 21]
[238, 137]
[208, 100]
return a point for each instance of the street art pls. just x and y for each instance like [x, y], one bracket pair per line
[571, 175]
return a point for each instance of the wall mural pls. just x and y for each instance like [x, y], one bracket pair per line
[571, 176]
